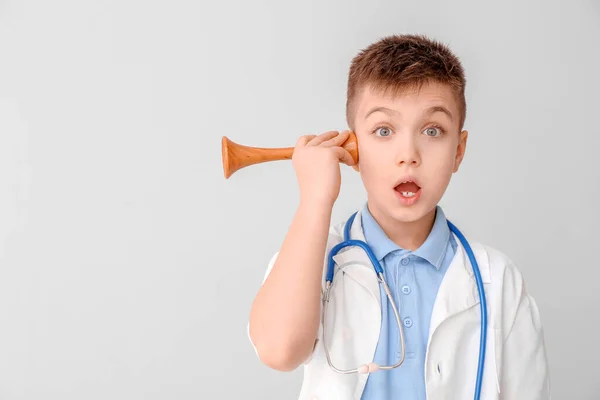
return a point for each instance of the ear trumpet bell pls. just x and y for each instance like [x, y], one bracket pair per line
[237, 156]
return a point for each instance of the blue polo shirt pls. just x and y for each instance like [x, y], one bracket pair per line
[414, 279]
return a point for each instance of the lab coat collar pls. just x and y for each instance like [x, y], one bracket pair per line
[458, 290]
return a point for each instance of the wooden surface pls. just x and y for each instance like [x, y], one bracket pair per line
[236, 156]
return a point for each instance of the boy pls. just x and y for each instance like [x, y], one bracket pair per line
[406, 105]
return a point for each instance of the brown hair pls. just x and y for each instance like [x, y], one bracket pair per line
[398, 62]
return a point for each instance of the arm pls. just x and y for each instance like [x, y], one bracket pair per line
[285, 315]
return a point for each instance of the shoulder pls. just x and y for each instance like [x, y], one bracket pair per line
[336, 231]
[506, 289]
[502, 269]
[498, 269]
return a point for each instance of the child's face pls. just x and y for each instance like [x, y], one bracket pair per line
[403, 140]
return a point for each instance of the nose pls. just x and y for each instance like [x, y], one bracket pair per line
[407, 151]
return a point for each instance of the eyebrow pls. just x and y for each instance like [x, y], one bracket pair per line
[428, 112]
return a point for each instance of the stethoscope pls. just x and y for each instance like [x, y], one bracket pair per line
[372, 367]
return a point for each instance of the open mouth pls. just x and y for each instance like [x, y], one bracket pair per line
[408, 191]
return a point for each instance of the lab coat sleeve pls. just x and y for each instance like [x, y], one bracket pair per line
[525, 367]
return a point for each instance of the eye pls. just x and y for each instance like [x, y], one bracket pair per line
[434, 131]
[383, 131]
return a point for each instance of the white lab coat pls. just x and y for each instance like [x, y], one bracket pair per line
[515, 364]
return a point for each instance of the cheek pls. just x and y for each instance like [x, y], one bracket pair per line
[441, 164]
[372, 167]
[374, 159]
[375, 152]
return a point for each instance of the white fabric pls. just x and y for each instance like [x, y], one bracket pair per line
[516, 363]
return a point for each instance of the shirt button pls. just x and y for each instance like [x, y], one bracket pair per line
[405, 261]
[408, 322]
[405, 289]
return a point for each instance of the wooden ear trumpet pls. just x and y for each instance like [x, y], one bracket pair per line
[237, 156]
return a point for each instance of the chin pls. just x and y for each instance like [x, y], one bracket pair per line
[407, 214]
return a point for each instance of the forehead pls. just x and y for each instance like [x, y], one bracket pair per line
[409, 100]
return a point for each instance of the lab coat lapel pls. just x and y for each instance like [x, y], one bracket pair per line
[361, 347]
[356, 263]
[458, 290]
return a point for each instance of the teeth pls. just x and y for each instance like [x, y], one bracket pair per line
[407, 194]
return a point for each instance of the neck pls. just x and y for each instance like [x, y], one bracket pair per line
[407, 235]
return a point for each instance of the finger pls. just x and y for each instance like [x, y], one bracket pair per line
[336, 141]
[322, 138]
[344, 155]
[303, 140]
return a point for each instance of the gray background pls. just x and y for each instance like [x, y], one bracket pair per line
[128, 264]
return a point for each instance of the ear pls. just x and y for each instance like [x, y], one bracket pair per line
[460, 150]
